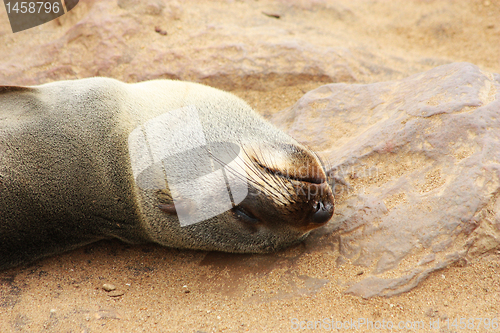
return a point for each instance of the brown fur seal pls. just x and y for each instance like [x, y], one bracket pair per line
[70, 170]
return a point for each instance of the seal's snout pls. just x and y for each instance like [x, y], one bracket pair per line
[323, 213]
[321, 207]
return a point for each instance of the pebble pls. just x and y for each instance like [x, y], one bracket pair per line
[116, 293]
[108, 287]
[161, 31]
[272, 14]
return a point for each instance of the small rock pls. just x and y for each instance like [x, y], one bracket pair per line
[116, 293]
[431, 312]
[108, 287]
[462, 262]
[107, 314]
[272, 14]
[160, 31]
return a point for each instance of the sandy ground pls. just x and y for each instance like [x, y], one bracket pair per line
[168, 290]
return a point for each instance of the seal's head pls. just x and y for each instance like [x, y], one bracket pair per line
[173, 157]
[288, 196]
[288, 187]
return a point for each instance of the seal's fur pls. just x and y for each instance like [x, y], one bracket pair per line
[66, 179]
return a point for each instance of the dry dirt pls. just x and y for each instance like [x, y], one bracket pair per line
[168, 290]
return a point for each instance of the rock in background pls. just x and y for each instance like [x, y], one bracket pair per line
[245, 45]
[420, 163]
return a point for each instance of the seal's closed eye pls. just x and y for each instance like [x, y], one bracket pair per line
[245, 215]
[168, 208]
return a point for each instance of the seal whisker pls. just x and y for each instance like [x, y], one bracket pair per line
[245, 178]
[278, 183]
[264, 186]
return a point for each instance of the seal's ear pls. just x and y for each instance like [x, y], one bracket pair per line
[169, 209]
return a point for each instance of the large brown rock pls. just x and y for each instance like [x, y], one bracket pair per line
[420, 163]
[240, 48]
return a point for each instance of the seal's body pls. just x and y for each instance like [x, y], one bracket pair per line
[66, 177]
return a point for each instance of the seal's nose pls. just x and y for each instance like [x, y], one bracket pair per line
[323, 212]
